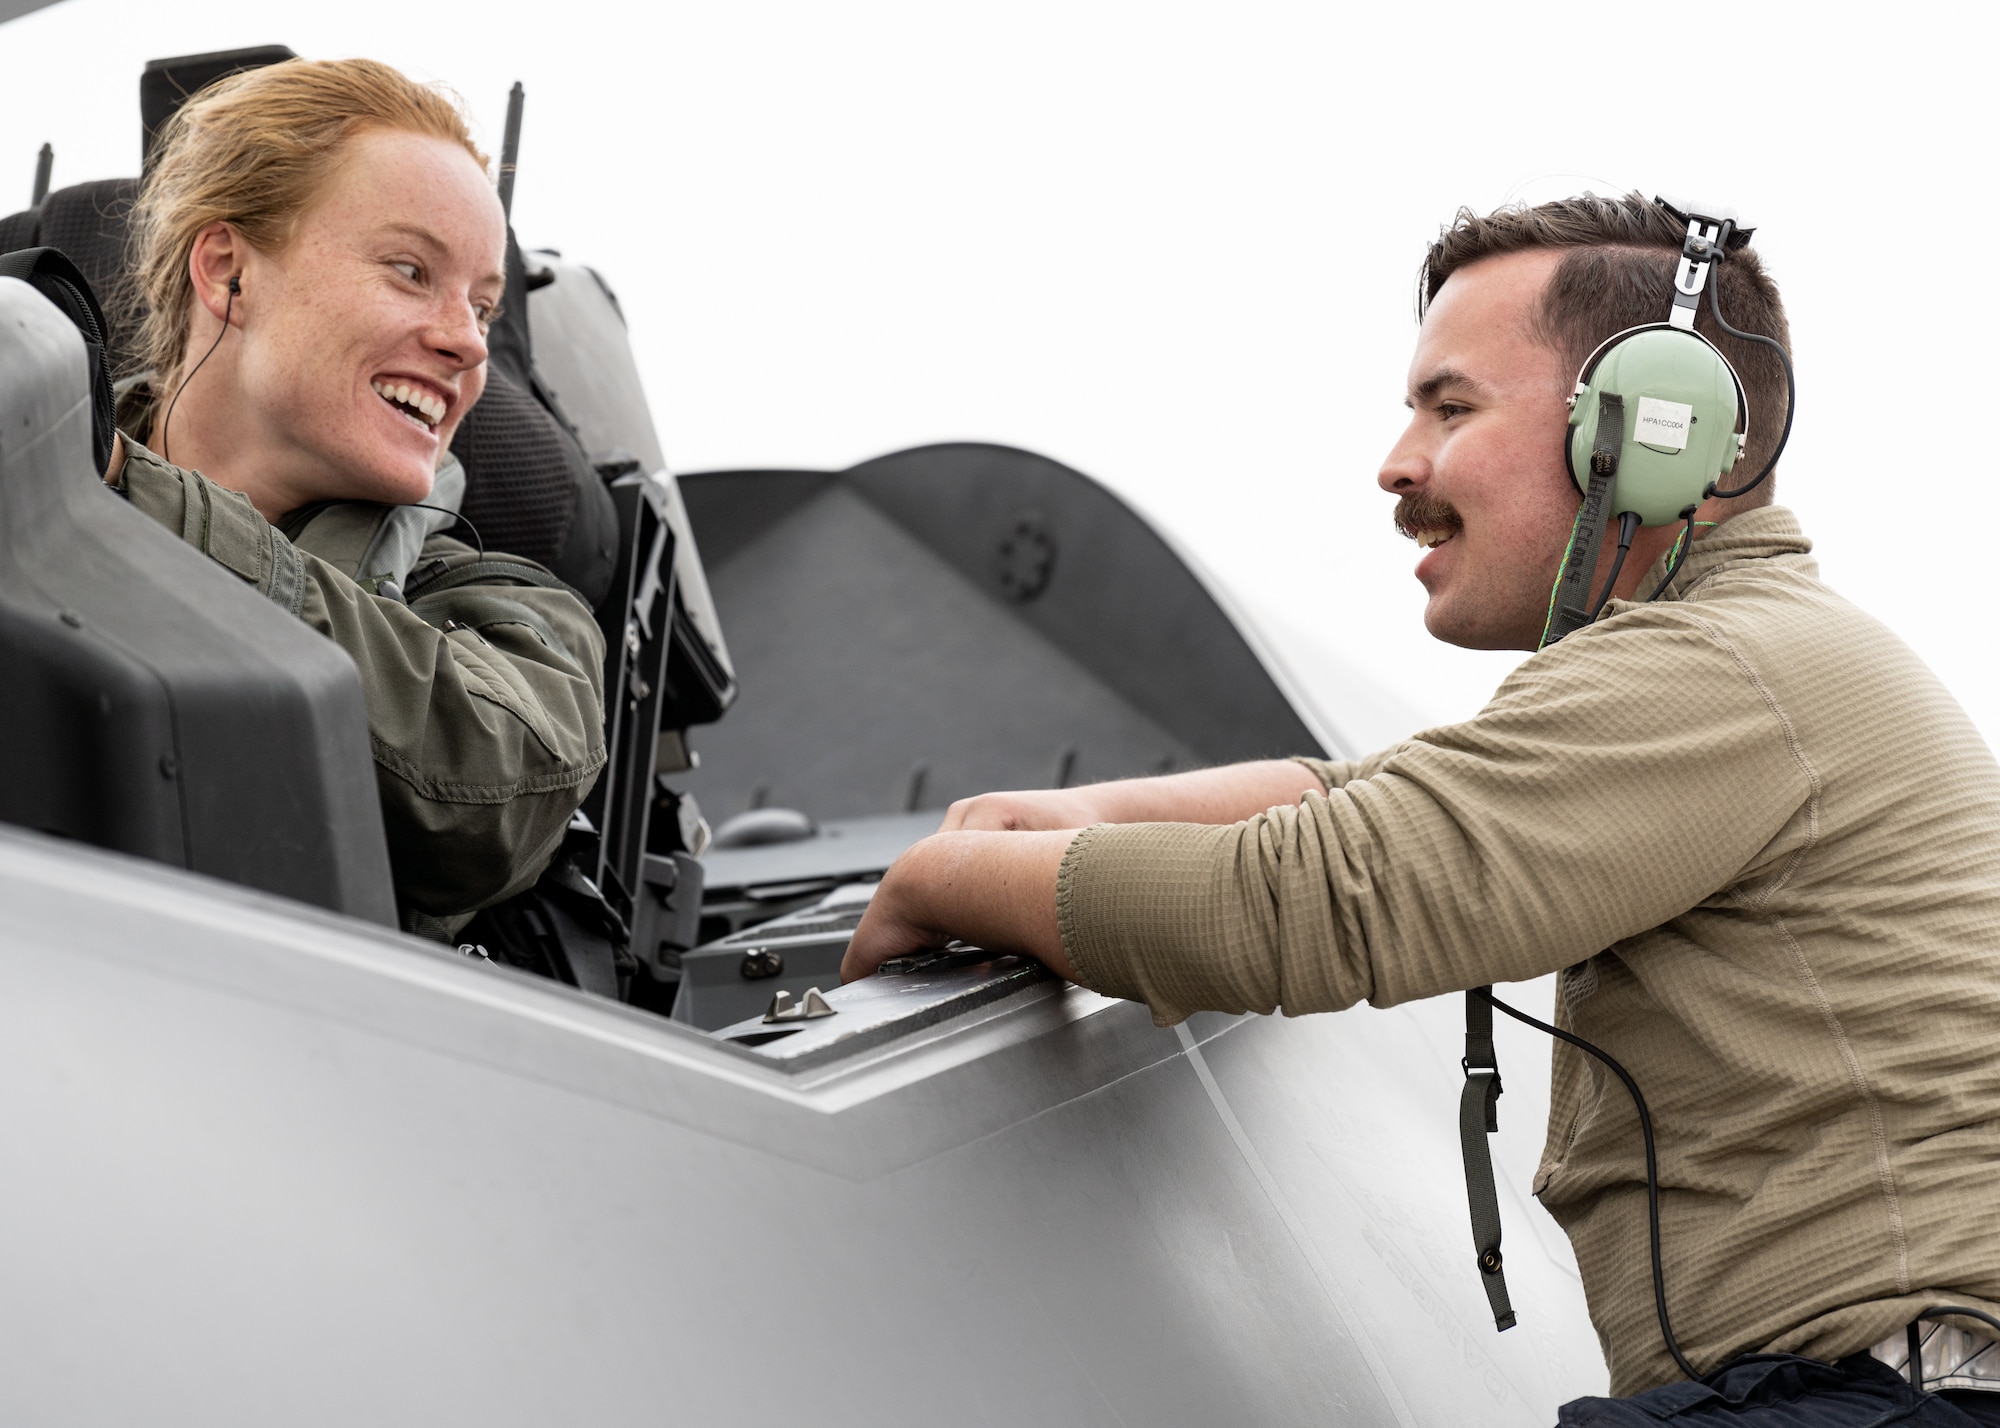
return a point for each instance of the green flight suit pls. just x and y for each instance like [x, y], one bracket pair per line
[485, 691]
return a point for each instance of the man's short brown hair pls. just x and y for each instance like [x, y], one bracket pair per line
[1619, 273]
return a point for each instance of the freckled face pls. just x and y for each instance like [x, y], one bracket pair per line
[1480, 469]
[365, 341]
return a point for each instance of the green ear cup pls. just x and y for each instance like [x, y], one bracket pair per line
[1683, 411]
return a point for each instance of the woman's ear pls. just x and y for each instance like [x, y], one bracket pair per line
[215, 265]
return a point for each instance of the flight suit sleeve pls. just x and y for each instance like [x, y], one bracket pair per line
[1577, 809]
[485, 700]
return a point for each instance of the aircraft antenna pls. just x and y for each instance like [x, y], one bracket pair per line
[510, 148]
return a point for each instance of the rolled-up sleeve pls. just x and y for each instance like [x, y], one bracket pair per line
[1582, 806]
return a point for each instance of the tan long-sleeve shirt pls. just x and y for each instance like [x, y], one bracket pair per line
[1763, 845]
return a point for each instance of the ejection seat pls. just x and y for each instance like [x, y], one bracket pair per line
[598, 512]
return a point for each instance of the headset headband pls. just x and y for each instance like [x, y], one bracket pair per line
[1657, 416]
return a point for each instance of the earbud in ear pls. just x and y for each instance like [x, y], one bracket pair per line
[235, 287]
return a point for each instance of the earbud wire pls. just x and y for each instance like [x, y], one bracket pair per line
[235, 287]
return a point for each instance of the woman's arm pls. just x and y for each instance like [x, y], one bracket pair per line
[486, 718]
[485, 701]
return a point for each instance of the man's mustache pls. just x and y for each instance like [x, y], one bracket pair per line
[1420, 511]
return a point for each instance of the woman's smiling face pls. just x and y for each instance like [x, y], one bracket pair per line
[364, 338]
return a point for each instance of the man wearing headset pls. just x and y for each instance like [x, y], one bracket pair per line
[1755, 834]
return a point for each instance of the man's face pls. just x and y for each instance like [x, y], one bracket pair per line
[367, 343]
[1480, 469]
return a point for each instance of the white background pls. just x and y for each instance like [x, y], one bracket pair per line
[1175, 246]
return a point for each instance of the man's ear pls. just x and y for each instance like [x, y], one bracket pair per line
[215, 266]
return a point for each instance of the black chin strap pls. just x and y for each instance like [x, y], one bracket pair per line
[1569, 608]
[1479, 1117]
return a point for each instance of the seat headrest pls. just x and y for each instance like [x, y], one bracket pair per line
[87, 221]
[167, 84]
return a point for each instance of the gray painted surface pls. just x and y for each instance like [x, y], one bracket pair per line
[957, 618]
[266, 1165]
[847, 848]
[837, 586]
[150, 700]
[15, 9]
[582, 352]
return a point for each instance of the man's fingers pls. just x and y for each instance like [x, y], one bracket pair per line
[880, 937]
[1020, 811]
[1005, 812]
[860, 959]
[989, 812]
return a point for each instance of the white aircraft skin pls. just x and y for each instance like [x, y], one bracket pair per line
[271, 1165]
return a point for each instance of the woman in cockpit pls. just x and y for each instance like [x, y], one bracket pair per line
[319, 253]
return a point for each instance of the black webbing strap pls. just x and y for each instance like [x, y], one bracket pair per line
[1479, 1117]
[1571, 606]
[423, 582]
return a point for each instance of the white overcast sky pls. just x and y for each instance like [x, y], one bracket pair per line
[1174, 245]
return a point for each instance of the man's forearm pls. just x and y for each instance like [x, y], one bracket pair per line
[995, 890]
[990, 878]
[1228, 794]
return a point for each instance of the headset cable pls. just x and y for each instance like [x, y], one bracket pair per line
[1652, 1166]
[1784, 357]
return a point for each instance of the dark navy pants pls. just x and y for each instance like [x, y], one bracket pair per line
[1785, 1391]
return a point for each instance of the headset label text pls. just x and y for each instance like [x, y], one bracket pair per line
[1663, 423]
